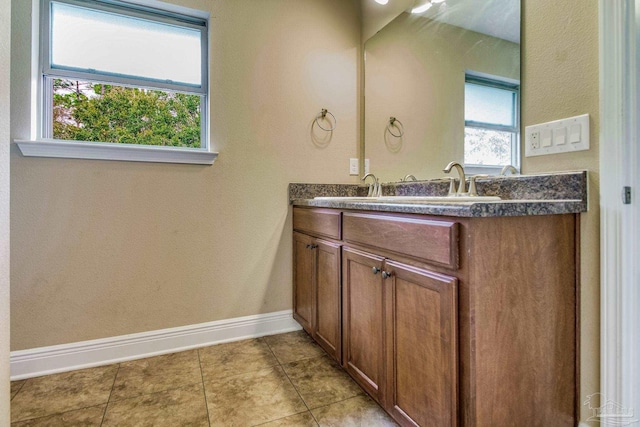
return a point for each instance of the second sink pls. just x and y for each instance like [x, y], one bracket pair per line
[414, 199]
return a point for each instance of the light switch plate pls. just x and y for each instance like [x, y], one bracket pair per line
[570, 134]
[366, 166]
[353, 166]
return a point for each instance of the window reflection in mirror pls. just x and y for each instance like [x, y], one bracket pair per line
[416, 68]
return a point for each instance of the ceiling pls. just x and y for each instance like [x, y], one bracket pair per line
[497, 18]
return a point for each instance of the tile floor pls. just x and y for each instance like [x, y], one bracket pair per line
[280, 380]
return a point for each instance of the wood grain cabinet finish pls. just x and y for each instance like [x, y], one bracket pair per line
[363, 320]
[317, 290]
[478, 329]
[421, 348]
[328, 328]
[424, 239]
[304, 276]
[320, 222]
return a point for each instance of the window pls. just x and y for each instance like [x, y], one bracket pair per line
[491, 113]
[123, 75]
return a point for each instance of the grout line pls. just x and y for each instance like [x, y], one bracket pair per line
[278, 419]
[204, 390]
[164, 390]
[19, 390]
[56, 413]
[115, 378]
[289, 378]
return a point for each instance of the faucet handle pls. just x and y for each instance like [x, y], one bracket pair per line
[452, 186]
[472, 184]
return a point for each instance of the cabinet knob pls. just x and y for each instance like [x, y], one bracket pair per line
[386, 274]
[312, 246]
[375, 270]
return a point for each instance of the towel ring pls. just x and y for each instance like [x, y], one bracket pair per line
[323, 116]
[392, 123]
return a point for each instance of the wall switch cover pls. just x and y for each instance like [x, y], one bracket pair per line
[559, 136]
[366, 166]
[353, 166]
[546, 137]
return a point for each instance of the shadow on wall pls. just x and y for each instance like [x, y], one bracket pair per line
[322, 128]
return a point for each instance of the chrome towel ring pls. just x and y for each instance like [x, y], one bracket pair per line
[323, 116]
[393, 122]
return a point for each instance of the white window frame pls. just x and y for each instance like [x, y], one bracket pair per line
[42, 145]
[499, 83]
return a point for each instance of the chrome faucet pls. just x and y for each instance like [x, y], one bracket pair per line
[375, 189]
[462, 189]
[407, 178]
[508, 168]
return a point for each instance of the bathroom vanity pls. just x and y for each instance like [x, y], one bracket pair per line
[463, 318]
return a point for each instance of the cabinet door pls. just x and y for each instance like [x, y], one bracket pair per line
[421, 350]
[363, 320]
[303, 279]
[328, 326]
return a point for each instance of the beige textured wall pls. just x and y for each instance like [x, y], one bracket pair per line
[560, 79]
[5, 50]
[105, 248]
[415, 71]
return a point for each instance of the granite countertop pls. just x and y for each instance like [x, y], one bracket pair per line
[522, 195]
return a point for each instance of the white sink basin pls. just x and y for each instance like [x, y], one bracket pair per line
[347, 198]
[437, 199]
[413, 199]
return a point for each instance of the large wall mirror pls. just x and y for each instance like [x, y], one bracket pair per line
[450, 77]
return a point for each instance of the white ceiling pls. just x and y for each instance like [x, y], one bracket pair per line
[497, 18]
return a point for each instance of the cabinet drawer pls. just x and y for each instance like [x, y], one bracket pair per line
[321, 222]
[422, 239]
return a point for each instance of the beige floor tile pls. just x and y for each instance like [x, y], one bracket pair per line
[235, 358]
[320, 381]
[182, 407]
[358, 411]
[155, 374]
[293, 346]
[87, 417]
[299, 420]
[252, 398]
[16, 386]
[64, 392]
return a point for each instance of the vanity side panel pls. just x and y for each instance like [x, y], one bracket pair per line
[522, 280]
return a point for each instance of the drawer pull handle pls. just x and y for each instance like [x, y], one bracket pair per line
[386, 274]
[375, 270]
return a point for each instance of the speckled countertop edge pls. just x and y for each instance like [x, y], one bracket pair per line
[464, 209]
[546, 194]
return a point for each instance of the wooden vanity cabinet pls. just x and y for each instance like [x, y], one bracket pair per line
[458, 321]
[400, 336]
[363, 320]
[421, 346]
[317, 278]
[304, 276]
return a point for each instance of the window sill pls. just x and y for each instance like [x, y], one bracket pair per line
[483, 170]
[109, 151]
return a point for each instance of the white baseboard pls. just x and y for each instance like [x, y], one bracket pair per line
[85, 354]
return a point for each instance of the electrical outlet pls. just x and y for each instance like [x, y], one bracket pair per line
[366, 166]
[534, 140]
[353, 166]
